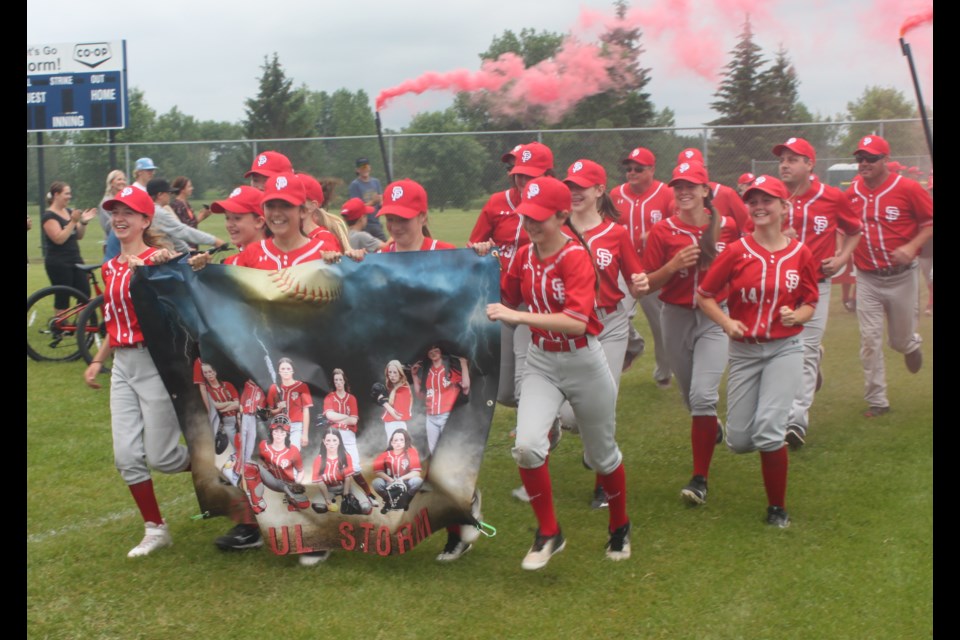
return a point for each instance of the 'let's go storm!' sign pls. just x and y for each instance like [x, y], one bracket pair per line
[77, 86]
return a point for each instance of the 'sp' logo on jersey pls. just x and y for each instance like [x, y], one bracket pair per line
[281, 183]
[577, 166]
[533, 190]
[792, 277]
[604, 257]
[235, 192]
[261, 160]
[556, 285]
[525, 156]
[396, 193]
[891, 213]
[656, 216]
[820, 224]
[126, 191]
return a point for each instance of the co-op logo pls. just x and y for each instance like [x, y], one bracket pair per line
[92, 54]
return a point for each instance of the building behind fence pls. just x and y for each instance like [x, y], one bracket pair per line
[460, 170]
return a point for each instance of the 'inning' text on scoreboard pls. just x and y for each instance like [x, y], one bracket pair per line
[77, 86]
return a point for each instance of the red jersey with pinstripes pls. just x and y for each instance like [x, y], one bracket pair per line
[441, 390]
[561, 283]
[297, 396]
[120, 319]
[284, 464]
[610, 245]
[816, 215]
[498, 221]
[347, 405]
[329, 471]
[638, 213]
[266, 255]
[892, 215]
[429, 244]
[328, 241]
[396, 465]
[760, 282]
[252, 398]
[669, 237]
[224, 393]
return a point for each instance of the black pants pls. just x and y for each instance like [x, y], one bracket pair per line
[69, 275]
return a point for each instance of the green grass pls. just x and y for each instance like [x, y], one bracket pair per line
[857, 561]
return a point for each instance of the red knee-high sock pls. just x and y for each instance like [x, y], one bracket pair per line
[146, 501]
[703, 439]
[774, 466]
[538, 486]
[615, 486]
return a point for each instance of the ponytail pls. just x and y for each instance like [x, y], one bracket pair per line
[606, 207]
[708, 241]
[593, 263]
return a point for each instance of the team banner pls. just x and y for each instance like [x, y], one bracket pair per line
[348, 405]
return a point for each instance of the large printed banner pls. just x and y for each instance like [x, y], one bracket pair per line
[349, 405]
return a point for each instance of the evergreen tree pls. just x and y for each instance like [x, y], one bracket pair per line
[279, 110]
[778, 97]
[738, 98]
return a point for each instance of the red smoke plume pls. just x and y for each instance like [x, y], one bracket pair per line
[916, 21]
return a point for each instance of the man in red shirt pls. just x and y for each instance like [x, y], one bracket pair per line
[642, 202]
[897, 217]
[816, 212]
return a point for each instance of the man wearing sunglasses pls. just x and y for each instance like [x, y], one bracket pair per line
[642, 202]
[368, 189]
[897, 217]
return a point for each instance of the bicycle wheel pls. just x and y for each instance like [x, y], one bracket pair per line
[52, 336]
[91, 319]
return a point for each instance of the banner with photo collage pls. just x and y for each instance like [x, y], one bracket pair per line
[348, 405]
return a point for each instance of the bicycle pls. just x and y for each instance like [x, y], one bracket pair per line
[56, 335]
[75, 332]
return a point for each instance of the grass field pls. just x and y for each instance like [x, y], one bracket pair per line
[857, 561]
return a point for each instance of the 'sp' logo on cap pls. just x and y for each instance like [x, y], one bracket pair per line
[867, 140]
[396, 193]
[235, 192]
[281, 183]
[635, 153]
[688, 153]
[791, 140]
[127, 191]
[759, 181]
[261, 160]
[684, 167]
[533, 190]
[577, 166]
[525, 156]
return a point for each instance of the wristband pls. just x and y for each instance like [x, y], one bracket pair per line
[84, 223]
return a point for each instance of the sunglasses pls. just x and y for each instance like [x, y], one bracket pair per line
[868, 158]
[635, 169]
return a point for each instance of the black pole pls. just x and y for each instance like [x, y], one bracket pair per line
[916, 87]
[41, 178]
[112, 138]
[383, 149]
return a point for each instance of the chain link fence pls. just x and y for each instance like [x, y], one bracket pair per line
[460, 170]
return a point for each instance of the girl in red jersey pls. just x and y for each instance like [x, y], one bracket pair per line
[146, 432]
[334, 470]
[244, 220]
[597, 219]
[320, 225]
[500, 227]
[341, 411]
[772, 281]
[439, 386]
[397, 401]
[405, 208]
[555, 277]
[281, 470]
[679, 250]
[292, 398]
[225, 400]
[400, 462]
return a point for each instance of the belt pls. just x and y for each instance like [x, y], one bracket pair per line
[822, 280]
[887, 272]
[135, 345]
[755, 340]
[560, 345]
[603, 312]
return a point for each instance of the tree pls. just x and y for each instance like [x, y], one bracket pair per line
[279, 110]
[737, 98]
[778, 97]
[444, 165]
[886, 103]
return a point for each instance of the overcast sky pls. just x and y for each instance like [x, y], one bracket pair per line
[204, 56]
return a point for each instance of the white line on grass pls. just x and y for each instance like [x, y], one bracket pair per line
[94, 524]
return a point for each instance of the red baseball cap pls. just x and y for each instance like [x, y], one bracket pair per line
[543, 197]
[280, 421]
[354, 208]
[404, 198]
[746, 178]
[690, 155]
[797, 145]
[270, 163]
[137, 199]
[769, 185]
[532, 160]
[691, 171]
[243, 199]
[313, 189]
[874, 145]
[284, 186]
[511, 155]
[586, 173]
[642, 156]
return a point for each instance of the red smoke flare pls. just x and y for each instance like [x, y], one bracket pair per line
[915, 21]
